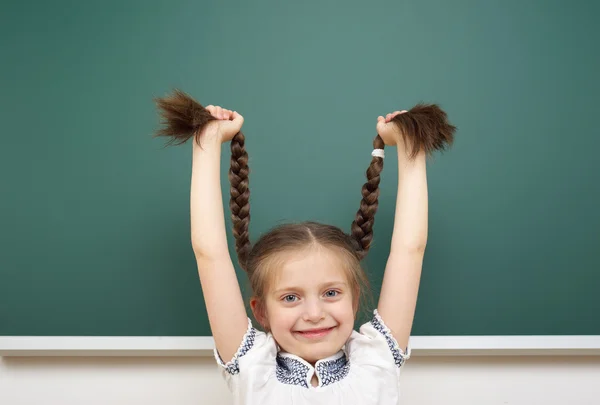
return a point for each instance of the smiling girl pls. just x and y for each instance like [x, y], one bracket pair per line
[306, 278]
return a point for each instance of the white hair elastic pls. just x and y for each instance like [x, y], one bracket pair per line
[378, 153]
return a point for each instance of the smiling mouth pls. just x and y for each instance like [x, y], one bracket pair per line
[315, 333]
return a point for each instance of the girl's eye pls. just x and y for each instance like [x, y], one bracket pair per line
[289, 298]
[331, 293]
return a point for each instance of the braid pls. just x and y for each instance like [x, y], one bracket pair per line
[239, 203]
[183, 117]
[362, 227]
[424, 128]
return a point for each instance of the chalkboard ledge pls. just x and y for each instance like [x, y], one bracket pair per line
[150, 346]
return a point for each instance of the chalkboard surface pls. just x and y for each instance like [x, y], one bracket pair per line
[94, 213]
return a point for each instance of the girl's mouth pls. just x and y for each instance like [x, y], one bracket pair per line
[314, 333]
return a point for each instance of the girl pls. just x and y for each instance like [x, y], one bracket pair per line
[306, 278]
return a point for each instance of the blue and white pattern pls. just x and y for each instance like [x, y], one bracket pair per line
[330, 371]
[233, 366]
[292, 371]
[399, 356]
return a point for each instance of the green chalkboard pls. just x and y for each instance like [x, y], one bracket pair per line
[94, 211]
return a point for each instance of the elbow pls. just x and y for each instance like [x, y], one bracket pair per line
[197, 248]
[410, 247]
[212, 253]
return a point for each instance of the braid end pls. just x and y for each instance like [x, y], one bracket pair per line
[182, 117]
[425, 127]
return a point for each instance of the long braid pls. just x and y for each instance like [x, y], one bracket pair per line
[424, 128]
[182, 118]
[362, 227]
[239, 203]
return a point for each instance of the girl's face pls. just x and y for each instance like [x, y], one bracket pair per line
[309, 306]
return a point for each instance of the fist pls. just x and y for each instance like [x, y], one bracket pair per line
[389, 131]
[227, 124]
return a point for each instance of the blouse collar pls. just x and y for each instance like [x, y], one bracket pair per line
[292, 369]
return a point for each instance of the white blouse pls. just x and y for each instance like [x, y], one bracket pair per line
[366, 371]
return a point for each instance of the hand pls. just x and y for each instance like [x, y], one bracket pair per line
[389, 131]
[227, 124]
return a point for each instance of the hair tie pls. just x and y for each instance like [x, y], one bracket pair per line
[378, 153]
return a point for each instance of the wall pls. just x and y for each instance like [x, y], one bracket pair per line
[552, 380]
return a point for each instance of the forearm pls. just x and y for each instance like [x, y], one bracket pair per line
[206, 205]
[410, 221]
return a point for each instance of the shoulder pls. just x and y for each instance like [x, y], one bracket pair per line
[256, 348]
[374, 344]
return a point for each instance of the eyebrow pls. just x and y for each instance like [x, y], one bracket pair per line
[322, 286]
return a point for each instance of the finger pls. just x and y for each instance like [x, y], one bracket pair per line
[210, 108]
[237, 118]
[396, 113]
[218, 112]
[236, 115]
[227, 114]
[380, 118]
[388, 117]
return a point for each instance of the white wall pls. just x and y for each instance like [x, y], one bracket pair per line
[196, 380]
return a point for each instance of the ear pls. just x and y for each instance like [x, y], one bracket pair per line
[355, 305]
[259, 311]
[355, 301]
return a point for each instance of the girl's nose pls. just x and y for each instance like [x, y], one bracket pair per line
[313, 311]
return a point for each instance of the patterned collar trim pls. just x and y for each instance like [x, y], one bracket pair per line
[294, 370]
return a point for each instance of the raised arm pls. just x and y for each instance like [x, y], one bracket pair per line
[220, 287]
[417, 133]
[400, 285]
[210, 127]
